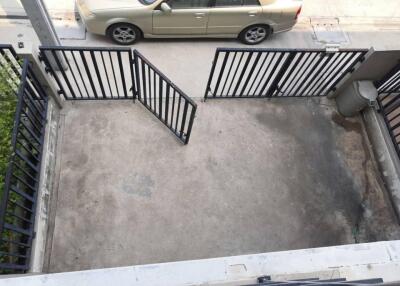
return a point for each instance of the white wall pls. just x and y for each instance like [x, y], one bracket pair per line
[357, 261]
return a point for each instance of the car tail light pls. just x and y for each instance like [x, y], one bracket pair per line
[298, 12]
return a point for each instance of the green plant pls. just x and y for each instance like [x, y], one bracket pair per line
[9, 83]
[8, 86]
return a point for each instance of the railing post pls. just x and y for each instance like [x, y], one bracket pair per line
[137, 75]
[133, 72]
[214, 63]
[192, 116]
[32, 55]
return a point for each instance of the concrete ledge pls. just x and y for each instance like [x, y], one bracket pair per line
[385, 154]
[47, 176]
[358, 261]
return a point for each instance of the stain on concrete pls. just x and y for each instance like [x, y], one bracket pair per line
[80, 161]
[376, 220]
[99, 123]
[322, 168]
[138, 184]
[348, 125]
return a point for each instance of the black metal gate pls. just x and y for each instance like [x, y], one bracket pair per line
[389, 104]
[84, 73]
[18, 203]
[257, 73]
[163, 98]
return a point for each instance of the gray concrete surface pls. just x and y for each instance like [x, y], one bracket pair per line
[46, 187]
[257, 176]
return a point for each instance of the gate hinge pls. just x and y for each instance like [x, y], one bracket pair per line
[40, 56]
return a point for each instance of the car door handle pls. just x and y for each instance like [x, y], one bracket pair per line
[253, 13]
[199, 15]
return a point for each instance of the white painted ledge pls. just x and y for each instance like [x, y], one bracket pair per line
[358, 261]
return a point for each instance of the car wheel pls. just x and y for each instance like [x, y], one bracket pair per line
[124, 34]
[255, 34]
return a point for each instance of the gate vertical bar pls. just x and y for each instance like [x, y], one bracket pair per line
[133, 72]
[214, 63]
[280, 74]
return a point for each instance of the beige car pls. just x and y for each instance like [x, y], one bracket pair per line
[127, 21]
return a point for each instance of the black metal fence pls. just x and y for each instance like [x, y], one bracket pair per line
[9, 63]
[163, 98]
[84, 73]
[389, 103]
[255, 73]
[18, 204]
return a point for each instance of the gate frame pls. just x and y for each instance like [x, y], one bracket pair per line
[182, 136]
[55, 51]
[273, 87]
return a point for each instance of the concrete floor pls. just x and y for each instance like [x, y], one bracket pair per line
[257, 176]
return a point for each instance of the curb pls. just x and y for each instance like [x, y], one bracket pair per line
[349, 20]
[386, 156]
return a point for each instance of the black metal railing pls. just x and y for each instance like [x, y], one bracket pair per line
[164, 99]
[86, 73]
[10, 65]
[255, 73]
[18, 203]
[389, 104]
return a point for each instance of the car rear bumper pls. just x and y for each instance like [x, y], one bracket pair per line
[283, 27]
[91, 21]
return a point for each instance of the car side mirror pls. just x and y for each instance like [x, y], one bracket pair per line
[165, 7]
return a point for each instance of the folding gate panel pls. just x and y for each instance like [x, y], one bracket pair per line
[164, 99]
[84, 73]
[254, 73]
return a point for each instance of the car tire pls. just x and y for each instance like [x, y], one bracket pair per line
[124, 34]
[255, 34]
